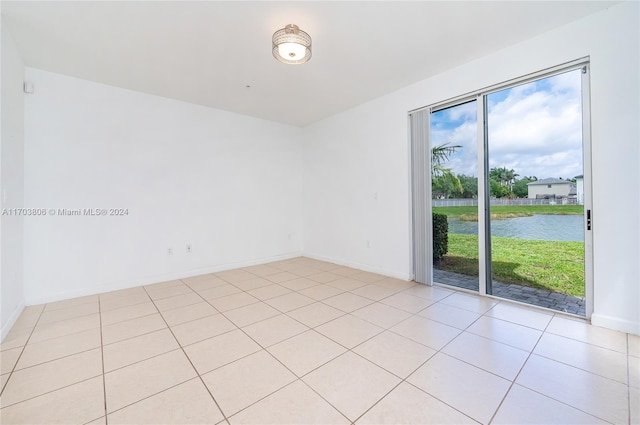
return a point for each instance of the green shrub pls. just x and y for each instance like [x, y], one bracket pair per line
[440, 236]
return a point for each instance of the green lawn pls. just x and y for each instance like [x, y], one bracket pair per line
[553, 265]
[512, 209]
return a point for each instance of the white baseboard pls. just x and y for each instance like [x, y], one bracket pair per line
[615, 323]
[363, 267]
[6, 327]
[115, 286]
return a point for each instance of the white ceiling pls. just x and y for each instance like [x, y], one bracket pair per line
[208, 52]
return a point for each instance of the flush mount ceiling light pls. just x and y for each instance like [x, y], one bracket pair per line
[291, 45]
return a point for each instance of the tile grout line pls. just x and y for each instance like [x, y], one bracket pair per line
[55, 359]
[513, 382]
[405, 380]
[238, 328]
[587, 370]
[248, 336]
[348, 349]
[104, 379]
[565, 404]
[33, 328]
[145, 359]
[63, 335]
[322, 397]
[47, 392]
[24, 347]
[545, 395]
[413, 314]
[275, 358]
[135, 336]
[187, 356]
[584, 342]
[244, 291]
[155, 394]
[298, 378]
[158, 312]
[52, 391]
[278, 360]
[44, 323]
[362, 342]
[79, 304]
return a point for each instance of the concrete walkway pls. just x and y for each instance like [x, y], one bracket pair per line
[525, 294]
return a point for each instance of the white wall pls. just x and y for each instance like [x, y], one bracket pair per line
[356, 195]
[11, 182]
[227, 184]
[557, 189]
[351, 156]
[580, 190]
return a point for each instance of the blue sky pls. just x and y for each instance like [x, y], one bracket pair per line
[535, 129]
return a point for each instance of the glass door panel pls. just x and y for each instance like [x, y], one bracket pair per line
[536, 192]
[454, 189]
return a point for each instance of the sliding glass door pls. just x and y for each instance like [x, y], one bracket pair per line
[454, 189]
[534, 163]
[510, 183]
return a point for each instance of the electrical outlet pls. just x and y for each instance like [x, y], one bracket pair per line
[188, 248]
[169, 251]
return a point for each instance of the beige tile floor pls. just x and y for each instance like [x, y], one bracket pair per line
[302, 341]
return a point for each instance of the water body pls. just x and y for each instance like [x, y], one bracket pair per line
[539, 226]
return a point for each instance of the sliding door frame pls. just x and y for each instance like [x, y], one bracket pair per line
[587, 190]
[484, 230]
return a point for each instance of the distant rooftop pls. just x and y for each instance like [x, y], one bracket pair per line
[549, 181]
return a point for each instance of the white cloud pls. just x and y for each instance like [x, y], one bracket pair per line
[464, 161]
[535, 130]
[467, 111]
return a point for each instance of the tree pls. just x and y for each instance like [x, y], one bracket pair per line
[521, 188]
[446, 186]
[469, 186]
[503, 176]
[439, 155]
[444, 182]
[510, 176]
[497, 190]
[498, 175]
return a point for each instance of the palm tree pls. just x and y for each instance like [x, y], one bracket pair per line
[503, 176]
[511, 177]
[499, 175]
[439, 155]
[441, 176]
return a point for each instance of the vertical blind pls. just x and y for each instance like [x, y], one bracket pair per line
[421, 196]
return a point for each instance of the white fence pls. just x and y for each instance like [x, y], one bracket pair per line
[502, 201]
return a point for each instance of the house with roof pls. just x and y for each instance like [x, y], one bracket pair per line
[549, 188]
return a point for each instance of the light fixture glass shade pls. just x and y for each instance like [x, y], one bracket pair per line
[291, 51]
[291, 45]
